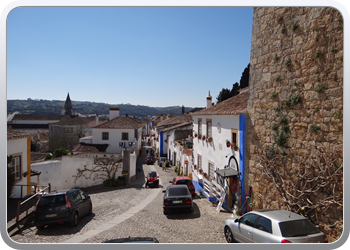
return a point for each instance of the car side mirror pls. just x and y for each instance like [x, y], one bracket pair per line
[236, 220]
[170, 182]
[88, 197]
[164, 191]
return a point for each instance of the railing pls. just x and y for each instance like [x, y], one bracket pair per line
[207, 187]
[27, 204]
[217, 190]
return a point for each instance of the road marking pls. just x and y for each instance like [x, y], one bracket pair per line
[118, 219]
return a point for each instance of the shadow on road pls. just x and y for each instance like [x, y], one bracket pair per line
[185, 215]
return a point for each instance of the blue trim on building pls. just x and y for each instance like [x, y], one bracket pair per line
[242, 139]
[161, 144]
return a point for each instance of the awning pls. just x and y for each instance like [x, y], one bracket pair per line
[227, 172]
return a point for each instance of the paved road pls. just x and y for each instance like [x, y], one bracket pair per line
[136, 211]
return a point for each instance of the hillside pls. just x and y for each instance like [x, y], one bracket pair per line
[54, 107]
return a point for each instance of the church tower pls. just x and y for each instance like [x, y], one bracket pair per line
[68, 108]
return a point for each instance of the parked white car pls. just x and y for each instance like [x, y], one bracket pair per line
[272, 226]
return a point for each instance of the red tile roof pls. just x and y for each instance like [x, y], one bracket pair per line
[232, 106]
[90, 148]
[121, 122]
[36, 117]
[14, 135]
[185, 118]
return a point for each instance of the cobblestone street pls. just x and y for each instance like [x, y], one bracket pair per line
[204, 225]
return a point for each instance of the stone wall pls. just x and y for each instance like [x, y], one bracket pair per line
[296, 74]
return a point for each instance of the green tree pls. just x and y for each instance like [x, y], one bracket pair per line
[244, 82]
[223, 95]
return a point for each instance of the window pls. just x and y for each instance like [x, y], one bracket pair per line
[209, 127]
[211, 170]
[74, 197]
[199, 160]
[248, 220]
[264, 224]
[297, 227]
[234, 138]
[105, 135]
[16, 167]
[125, 136]
[199, 126]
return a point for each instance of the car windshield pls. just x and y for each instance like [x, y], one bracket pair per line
[177, 191]
[186, 182]
[297, 228]
[55, 200]
[152, 174]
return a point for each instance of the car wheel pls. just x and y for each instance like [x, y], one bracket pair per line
[75, 220]
[90, 209]
[228, 235]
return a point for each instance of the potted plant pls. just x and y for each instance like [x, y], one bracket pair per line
[195, 166]
[210, 139]
[234, 146]
[199, 136]
[203, 137]
[195, 134]
[200, 171]
[228, 143]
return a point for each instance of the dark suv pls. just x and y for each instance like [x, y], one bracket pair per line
[62, 207]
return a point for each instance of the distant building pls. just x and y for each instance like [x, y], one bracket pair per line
[68, 108]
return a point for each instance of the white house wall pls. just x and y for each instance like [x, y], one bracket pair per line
[115, 136]
[60, 173]
[217, 152]
[15, 147]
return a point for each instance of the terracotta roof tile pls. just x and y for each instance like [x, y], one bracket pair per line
[14, 135]
[36, 117]
[234, 105]
[121, 122]
[90, 148]
[185, 118]
[76, 120]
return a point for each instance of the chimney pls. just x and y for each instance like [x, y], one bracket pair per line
[97, 119]
[113, 113]
[161, 117]
[209, 103]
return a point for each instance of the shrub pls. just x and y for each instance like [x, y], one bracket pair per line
[280, 138]
[274, 126]
[271, 152]
[283, 120]
[292, 100]
[273, 95]
[320, 88]
[48, 157]
[59, 152]
[110, 182]
[314, 128]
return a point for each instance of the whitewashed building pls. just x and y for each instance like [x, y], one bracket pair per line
[222, 122]
[18, 146]
[120, 132]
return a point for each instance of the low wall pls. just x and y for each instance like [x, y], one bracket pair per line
[61, 173]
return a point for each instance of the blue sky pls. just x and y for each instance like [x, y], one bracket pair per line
[153, 56]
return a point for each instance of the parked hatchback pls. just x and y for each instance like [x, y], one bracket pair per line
[184, 180]
[62, 207]
[177, 198]
[272, 226]
[152, 179]
[149, 160]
